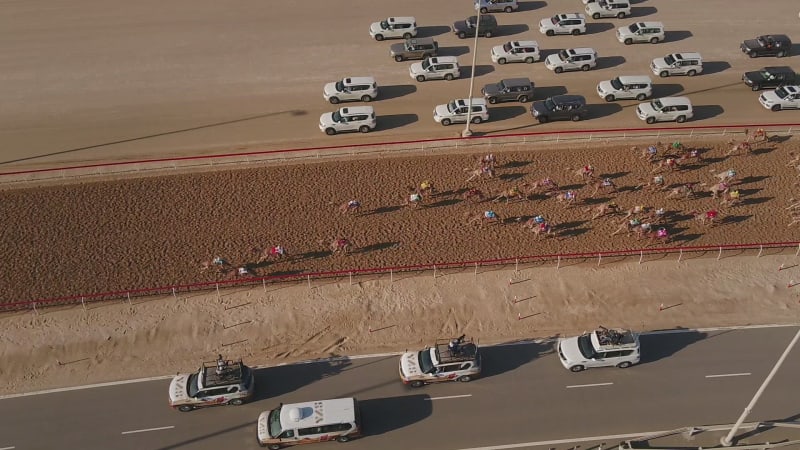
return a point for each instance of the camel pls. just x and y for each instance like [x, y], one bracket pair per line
[585, 173]
[218, 262]
[473, 195]
[691, 155]
[241, 271]
[707, 218]
[545, 184]
[568, 198]
[488, 217]
[685, 190]
[759, 137]
[743, 147]
[543, 229]
[341, 245]
[656, 184]
[483, 171]
[513, 192]
[627, 226]
[794, 162]
[533, 222]
[635, 211]
[649, 153]
[606, 184]
[670, 164]
[276, 251]
[719, 189]
[487, 161]
[795, 219]
[352, 206]
[427, 188]
[726, 176]
[793, 206]
[414, 199]
[660, 234]
[604, 209]
[732, 198]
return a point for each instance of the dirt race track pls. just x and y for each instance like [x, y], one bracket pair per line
[132, 233]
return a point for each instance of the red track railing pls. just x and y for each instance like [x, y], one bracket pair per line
[175, 289]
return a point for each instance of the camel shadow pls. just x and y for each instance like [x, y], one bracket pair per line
[733, 219]
[376, 247]
[515, 164]
[317, 254]
[573, 232]
[756, 200]
[752, 179]
[511, 176]
[445, 202]
[572, 224]
[763, 150]
[614, 175]
[383, 210]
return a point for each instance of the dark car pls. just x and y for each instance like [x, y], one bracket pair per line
[768, 45]
[414, 48]
[770, 77]
[466, 28]
[560, 107]
[509, 90]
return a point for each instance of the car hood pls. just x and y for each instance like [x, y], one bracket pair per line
[397, 48]
[770, 97]
[539, 107]
[624, 31]
[751, 43]
[375, 28]
[441, 111]
[605, 86]
[416, 68]
[177, 389]
[498, 50]
[330, 89]
[552, 59]
[569, 348]
[460, 25]
[263, 426]
[409, 364]
[546, 23]
[659, 62]
[647, 108]
[326, 119]
[753, 76]
[491, 89]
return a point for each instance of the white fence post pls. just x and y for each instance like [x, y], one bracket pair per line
[719, 255]
[558, 264]
[680, 255]
[516, 266]
[129, 299]
[476, 270]
[641, 256]
[599, 258]
[760, 249]
[83, 304]
[351, 278]
[434, 271]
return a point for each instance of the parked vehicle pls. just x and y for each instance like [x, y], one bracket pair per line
[351, 89]
[689, 64]
[309, 422]
[516, 51]
[487, 6]
[785, 97]
[414, 48]
[456, 111]
[448, 360]
[560, 107]
[625, 87]
[353, 118]
[220, 382]
[767, 45]
[652, 32]
[770, 77]
[509, 90]
[678, 109]
[581, 58]
[394, 28]
[466, 28]
[572, 23]
[601, 348]
[608, 8]
[436, 68]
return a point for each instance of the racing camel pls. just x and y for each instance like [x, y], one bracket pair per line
[707, 218]
[275, 251]
[604, 209]
[605, 185]
[341, 245]
[487, 217]
[352, 206]
[481, 172]
[473, 195]
[219, 263]
[512, 193]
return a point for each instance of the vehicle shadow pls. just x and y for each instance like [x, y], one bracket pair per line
[391, 121]
[544, 53]
[381, 415]
[715, 67]
[607, 62]
[707, 111]
[598, 27]
[500, 359]
[396, 91]
[641, 11]
[458, 50]
[541, 93]
[480, 70]
[509, 30]
[273, 382]
[505, 112]
[675, 36]
[530, 6]
[432, 31]
[666, 89]
[660, 346]
[599, 110]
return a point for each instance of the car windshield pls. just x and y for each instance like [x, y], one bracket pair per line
[425, 363]
[616, 84]
[634, 28]
[762, 40]
[554, 19]
[274, 421]
[657, 105]
[507, 46]
[669, 59]
[340, 86]
[471, 21]
[336, 116]
[563, 55]
[781, 92]
[426, 64]
[550, 104]
[384, 25]
[191, 385]
[452, 106]
[603, 4]
[585, 346]
[501, 86]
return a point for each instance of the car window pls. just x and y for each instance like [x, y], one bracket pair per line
[286, 434]
[466, 366]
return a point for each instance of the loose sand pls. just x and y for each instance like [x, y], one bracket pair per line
[131, 233]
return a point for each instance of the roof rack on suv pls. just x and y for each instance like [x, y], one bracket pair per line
[614, 338]
[466, 350]
[222, 372]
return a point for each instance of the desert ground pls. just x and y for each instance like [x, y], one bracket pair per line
[100, 236]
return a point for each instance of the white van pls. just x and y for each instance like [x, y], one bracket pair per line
[625, 86]
[309, 422]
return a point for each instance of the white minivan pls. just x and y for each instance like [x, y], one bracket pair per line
[309, 422]
[666, 109]
[625, 87]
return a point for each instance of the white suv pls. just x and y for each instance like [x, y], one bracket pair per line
[581, 58]
[785, 97]
[608, 8]
[664, 109]
[652, 32]
[573, 23]
[351, 89]
[394, 28]
[624, 86]
[516, 51]
[438, 67]
[456, 111]
[677, 64]
[355, 118]
[601, 348]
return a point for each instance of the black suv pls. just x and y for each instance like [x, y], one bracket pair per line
[415, 48]
[509, 90]
[466, 28]
[768, 45]
[560, 107]
[770, 77]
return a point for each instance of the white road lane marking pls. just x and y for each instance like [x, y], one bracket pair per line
[588, 385]
[148, 429]
[448, 397]
[7, 448]
[743, 374]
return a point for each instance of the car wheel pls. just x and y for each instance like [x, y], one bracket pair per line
[585, 67]
[462, 35]
[274, 447]
[446, 122]
[398, 58]
[680, 119]
[366, 98]
[508, 9]
[755, 87]
[558, 69]
[543, 119]
[624, 365]
[596, 16]
[752, 54]
[641, 97]
[776, 107]
[651, 120]
[576, 368]
[448, 77]
[529, 60]
[691, 73]
[523, 98]
[464, 379]
[185, 408]
[621, 15]
[417, 383]
[334, 100]
[477, 119]
[378, 37]
[501, 61]
[492, 100]
[664, 74]
[609, 98]
[781, 54]
[363, 129]
[407, 36]
[576, 32]
[420, 78]
[654, 40]
[488, 34]
[484, 10]
[343, 439]
[576, 117]
[550, 33]
[628, 41]
[236, 402]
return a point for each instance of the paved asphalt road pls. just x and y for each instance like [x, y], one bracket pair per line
[525, 396]
[84, 81]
